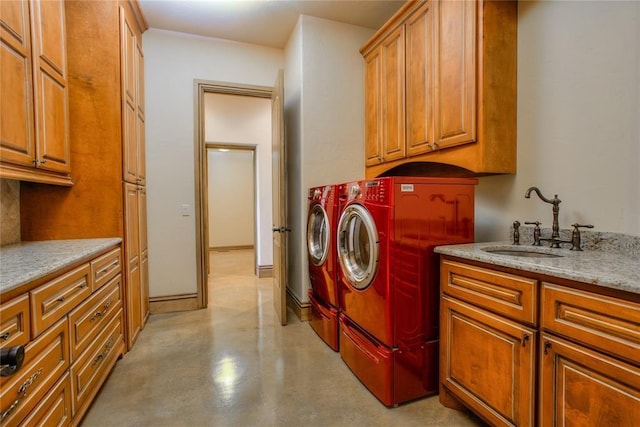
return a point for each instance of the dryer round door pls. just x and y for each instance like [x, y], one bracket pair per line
[358, 251]
[318, 235]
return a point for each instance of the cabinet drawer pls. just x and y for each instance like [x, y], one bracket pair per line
[609, 324]
[88, 372]
[45, 360]
[105, 267]
[55, 409]
[86, 321]
[502, 293]
[14, 322]
[54, 299]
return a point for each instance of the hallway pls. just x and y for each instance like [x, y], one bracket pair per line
[234, 365]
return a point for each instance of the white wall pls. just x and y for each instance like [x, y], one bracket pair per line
[578, 120]
[231, 198]
[233, 119]
[324, 116]
[172, 62]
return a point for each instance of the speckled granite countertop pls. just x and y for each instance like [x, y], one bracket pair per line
[27, 261]
[601, 268]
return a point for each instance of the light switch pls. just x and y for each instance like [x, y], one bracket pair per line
[185, 210]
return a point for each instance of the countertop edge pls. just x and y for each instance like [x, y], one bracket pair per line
[590, 267]
[28, 262]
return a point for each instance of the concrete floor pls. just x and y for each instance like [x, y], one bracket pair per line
[232, 364]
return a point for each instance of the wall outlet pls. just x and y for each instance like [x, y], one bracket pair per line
[185, 210]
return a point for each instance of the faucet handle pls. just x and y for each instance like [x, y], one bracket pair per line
[516, 232]
[536, 232]
[575, 236]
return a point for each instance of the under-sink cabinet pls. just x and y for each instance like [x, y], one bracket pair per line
[583, 351]
[71, 325]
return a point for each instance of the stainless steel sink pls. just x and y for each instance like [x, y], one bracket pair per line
[521, 253]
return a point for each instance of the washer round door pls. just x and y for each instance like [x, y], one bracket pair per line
[318, 235]
[358, 246]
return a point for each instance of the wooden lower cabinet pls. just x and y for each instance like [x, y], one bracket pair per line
[581, 387]
[69, 349]
[488, 362]
[586, 361]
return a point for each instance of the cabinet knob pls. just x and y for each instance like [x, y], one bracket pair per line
[11, 360]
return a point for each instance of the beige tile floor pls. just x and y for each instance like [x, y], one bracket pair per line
[232, 364]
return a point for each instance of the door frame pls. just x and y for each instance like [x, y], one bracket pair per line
[237, 147]
[200, 158]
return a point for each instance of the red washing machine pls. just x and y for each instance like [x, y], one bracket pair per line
[388, 280]
[321, 231]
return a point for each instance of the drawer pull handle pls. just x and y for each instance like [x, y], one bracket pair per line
[547, 346]
[101, 313]
[60, 299]
[5, 336]
[23, 388]
[22, 391]
[99, 358]
[82, 286]
[525, 338]
[108, 267]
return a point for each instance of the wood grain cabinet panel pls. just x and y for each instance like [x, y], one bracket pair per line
[91, 369]
[373, 108]
[611, 325]
[588, 358]
[419, 83]
[459, 93]
[15, 322]
[45, 361]
[105, 268]
[34, 142]
[55, 409]
[88, 319]
[581, 387]
[392, 96]
[506, 294]
[488, 362]
[55, 299]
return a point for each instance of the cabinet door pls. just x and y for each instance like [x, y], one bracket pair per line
[372, 108]
[51, 89]
[392, 96]
[419, 93]
[455, 72]
[128, 60]
[581, 387]
[132, 257]
[16, 100]
[140, 120]
[488, 363]
[144, 255]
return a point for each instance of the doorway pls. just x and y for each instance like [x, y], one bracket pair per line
[234, 118]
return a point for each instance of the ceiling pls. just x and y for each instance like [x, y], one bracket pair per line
[262, 22]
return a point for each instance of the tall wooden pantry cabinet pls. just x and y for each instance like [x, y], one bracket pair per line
[106, 133]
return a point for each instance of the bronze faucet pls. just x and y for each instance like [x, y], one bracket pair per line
[555, 228]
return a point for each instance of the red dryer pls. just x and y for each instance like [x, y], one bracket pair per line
[388, 278]
[321, 231]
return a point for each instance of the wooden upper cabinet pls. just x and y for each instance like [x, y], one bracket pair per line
[419, 63]
[392, 96]
[458, 102]
[52, 99]
[132, 71]
[34, 141]
[455, 72]
[373, 109]
[16, 103]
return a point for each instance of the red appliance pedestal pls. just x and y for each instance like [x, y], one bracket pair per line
[324, 321]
